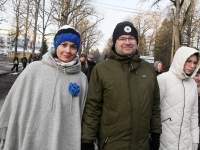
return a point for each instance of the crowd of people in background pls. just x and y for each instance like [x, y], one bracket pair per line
[67, 101]
[24, 61]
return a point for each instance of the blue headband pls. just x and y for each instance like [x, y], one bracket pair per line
[70, 37]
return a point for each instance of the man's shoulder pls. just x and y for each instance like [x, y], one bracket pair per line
[147, 64]
[104, 64]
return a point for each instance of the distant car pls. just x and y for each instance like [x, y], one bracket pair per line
[3, 52]
[149, 59]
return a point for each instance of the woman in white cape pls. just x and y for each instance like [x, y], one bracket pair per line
[43, 109]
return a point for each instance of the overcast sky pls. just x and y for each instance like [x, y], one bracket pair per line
[114, 11]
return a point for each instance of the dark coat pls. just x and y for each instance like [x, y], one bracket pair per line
[122, 105]
[91, 65]
[24, 60]
[157, 73]
[85, 70]
[16, 61]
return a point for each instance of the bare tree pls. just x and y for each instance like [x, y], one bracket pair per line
[27, 23]
[17, 9]
[79, 14]
[189, 30]
[37, 6]
[147, 25]
[108, 46]
[178, 4]
[71, 11]
[2, 3]
[163, 42]
[90, 35]
[2, 9]
[45, 15]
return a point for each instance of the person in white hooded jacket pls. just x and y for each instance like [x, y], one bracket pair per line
[43, 109]
[179, 102]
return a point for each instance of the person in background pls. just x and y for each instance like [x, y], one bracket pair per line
[84, 66]
[163, 68]
[30, 58]
[122, 105]
[90, 62]
[105, 56]
[24, 62]
[35, 57]
[179, 102]
[15, 64]
[43, 109]
[197, 80]
[158, 67]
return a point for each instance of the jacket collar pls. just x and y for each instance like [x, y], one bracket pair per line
[133, 60]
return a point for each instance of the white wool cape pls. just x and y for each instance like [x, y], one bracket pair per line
[39, 112]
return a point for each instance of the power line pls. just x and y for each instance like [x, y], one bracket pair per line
[115, 6]
[130, 11]
[116, 9]
[122, 10]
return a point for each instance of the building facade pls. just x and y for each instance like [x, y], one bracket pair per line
[7, 43]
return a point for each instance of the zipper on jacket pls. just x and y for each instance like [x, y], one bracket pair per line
[105, 142]
[166, 119]
[182, 117]
[133, 68]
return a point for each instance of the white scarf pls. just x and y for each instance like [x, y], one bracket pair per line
[66, 64]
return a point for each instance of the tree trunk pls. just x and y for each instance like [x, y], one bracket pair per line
[26, 28]
[176, 25]
[37, 3]
[42, 50]
[17, 26]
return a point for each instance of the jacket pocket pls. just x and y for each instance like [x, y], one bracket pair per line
[168, 119]
[117, 141]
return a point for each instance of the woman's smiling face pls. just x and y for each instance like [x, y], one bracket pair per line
[66, 51]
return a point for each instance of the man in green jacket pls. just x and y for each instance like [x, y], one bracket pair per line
[122, 107]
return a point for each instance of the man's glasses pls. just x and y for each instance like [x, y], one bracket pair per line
[123, 39]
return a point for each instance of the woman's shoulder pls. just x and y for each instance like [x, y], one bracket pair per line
[164, 76]
[34, 66]
[82, 75]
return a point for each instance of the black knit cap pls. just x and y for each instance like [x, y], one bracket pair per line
[124, 28]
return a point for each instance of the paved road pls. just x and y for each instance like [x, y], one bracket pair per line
[6, 82]
[7, 78]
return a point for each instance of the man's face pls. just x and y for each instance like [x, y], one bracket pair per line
[159, 66]
[197, 79]
[90, 59]
[82, 59]
[126, 45]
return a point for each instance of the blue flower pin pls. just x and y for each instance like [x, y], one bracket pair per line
[74, 89]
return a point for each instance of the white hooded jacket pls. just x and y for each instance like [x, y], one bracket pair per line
[179, 104]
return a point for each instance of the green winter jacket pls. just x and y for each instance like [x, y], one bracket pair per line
[122, 105]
